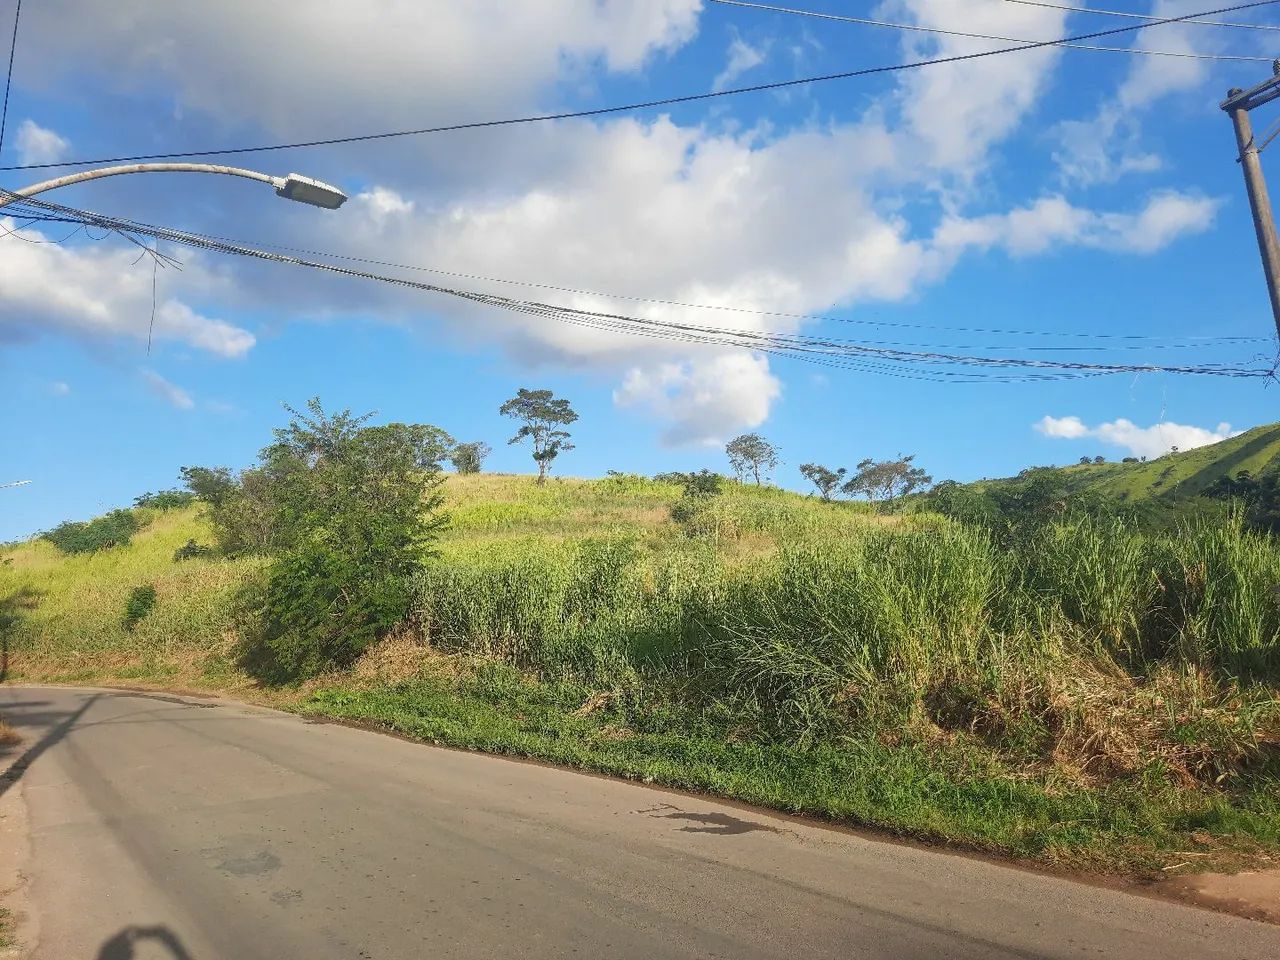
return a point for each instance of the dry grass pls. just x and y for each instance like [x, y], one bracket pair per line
[9, 737]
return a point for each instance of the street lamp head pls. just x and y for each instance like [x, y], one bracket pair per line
[304, 189]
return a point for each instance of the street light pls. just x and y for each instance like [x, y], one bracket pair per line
[293, 187]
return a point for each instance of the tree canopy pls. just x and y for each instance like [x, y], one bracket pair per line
[542, 416]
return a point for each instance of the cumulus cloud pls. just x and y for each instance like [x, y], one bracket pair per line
[363, 62]
[742, 57]
[957, 111]
[792, 221]
[39, 145]
[170, 392]
[100, 291]
[1052, 222]
[705, 401]
[1106, 146]
[1153, 441]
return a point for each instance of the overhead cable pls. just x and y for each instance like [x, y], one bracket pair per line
[919, 28]
[839, 352]
[8, 80]
[1134, 341]
[1138, 16]
[645, 104]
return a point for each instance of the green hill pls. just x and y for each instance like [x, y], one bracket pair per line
[1080, 697]
[1179, 475]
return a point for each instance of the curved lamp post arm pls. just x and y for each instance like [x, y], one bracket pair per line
[292, 187]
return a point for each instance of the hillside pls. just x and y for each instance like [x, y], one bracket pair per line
[1183, 474]
[1077, 698]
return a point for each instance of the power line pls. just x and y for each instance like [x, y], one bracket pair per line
[8, 80]
[1135, 16]
[1139, 341]
[919, 28]
[929, 364]
[646, 104]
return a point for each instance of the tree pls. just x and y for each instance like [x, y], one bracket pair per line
[470, 457]
[1099, 459]
[887, 480]
[1084, 460]
[751, 453]
[826, 480]
[542, 415]
[345, 514]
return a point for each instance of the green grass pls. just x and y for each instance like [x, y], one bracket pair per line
[1184, 474]
[1096, 695]
[956, 796]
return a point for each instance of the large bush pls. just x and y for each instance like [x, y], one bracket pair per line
[114, 529]
[346, 513]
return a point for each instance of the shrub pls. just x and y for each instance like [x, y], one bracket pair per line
[346, 513]
[142, 601]
[165, 499]
[115, 529]
[191, 550]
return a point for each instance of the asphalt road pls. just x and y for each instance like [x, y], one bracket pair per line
[164, 828]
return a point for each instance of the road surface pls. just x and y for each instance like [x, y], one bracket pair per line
[165, 828]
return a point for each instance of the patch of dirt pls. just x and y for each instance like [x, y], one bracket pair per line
[1250, 893]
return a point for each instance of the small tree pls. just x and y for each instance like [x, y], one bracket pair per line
[825, 479]
[753, 454]
[887, 480]
[542, 415]
[470, 457]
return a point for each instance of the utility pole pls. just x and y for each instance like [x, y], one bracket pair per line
[1237, 105]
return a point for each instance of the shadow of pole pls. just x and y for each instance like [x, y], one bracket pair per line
[15, 771]
[121, 946]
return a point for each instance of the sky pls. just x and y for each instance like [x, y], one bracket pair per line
[1076, 198]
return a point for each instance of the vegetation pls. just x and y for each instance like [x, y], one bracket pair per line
[1014, 666]
[165, 499]
[542, 416]
[344, 511]
[142, 601]
[751, 455]
[470, 457]
[114, 529]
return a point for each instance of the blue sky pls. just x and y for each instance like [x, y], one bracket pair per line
[1051, 191]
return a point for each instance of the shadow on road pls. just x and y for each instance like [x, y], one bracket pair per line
[718, 823]
[121, 946]
[15, 771]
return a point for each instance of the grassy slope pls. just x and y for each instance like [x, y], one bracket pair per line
[1182, 474]
[64, 624]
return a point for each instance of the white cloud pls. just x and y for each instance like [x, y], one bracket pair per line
[1105, 147]
[170, 392]
[1052, 222]
[364, 63]
[742, 57]
[796, 221]
[702, 401]
[1153, 441]
[38, 145]
[59, 388]
[958, 110]
[101, 291]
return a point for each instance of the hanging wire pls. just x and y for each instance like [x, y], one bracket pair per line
[854, 353]
[648, 104]
[920, 28]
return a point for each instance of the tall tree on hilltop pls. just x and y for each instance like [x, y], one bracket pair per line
[887, 480]
[470, 457]
[824, 478]
[752, 454]
[543, 416]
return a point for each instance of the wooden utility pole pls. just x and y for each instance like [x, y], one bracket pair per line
[1237, 105]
